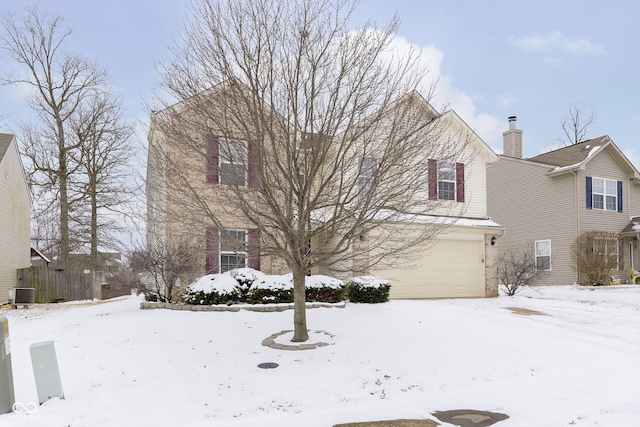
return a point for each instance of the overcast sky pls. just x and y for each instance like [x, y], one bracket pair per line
[495, 58]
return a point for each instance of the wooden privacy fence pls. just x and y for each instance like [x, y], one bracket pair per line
[55, 285]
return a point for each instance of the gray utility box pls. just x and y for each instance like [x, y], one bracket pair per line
[22, 296]
[45, 370]
[7, 398]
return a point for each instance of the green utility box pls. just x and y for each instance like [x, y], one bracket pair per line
[45, 370]
[7, 398]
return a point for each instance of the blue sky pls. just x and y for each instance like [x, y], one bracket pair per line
[495, 59]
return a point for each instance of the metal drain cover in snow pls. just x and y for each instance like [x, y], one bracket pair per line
[268, 365]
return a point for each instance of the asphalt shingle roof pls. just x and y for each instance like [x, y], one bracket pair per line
[570, 155]
[5, 140]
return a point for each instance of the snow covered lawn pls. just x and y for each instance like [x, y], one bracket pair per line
[576, 363]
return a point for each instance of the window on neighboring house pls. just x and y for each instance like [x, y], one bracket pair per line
[604, 194]
[233, 250]
[366, 178]
[446, 180]
[233, 162]
[543, 254]
[609, 247]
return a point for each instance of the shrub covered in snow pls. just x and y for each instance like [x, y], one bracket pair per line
[271, 290]
[246, 285]
[368, 289]
[212, 289]
[245, 278]
[324, 289]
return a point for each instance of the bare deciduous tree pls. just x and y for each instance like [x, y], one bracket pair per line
[166, 267]
[518, 269]
[59, 82]
[576, 125]
[321, 139]
[595, 256]
[103, 177]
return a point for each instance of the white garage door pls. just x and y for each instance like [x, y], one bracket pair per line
[453, 268]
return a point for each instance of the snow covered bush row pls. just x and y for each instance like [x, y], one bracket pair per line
[368, 289]
[246, 285]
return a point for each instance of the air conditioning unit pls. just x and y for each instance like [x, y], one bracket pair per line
[22, 296]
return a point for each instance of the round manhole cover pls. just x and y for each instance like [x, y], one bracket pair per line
[268, 365]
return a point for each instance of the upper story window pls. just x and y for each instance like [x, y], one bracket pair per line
[446, 180]
[604, 194]
[543, 254]
[233, 162]
[368, 166]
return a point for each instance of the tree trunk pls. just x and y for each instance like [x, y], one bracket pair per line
[64, 200]
[300, 333]
[94, 237]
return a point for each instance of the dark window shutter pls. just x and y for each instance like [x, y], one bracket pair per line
[619, 196]
[432, 172]
[253, 156]
[254, 249]
[460, 182]
[213, 153]
[212, 261]
[589, 193]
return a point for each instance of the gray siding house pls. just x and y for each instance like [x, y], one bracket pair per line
[15, 207]
[548, 200]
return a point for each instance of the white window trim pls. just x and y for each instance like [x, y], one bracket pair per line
[535, 248]
[366, 174]
[244, 161]
[232, 253]
[604, 194]
[450, 165]
[616, 243]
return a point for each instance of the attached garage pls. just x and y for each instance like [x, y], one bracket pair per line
[452, 268]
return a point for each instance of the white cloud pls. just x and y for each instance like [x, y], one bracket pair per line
[556, 40]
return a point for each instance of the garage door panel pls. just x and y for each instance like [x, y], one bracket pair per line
[453, 268]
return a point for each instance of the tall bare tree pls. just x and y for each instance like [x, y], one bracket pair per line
[575, 124]
[59, 82]
[321, 139]
[103, 156]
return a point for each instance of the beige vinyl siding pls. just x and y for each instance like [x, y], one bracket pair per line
[452, 266]
[475, 164]
[533, 206]
[15, 206]
[604, 166]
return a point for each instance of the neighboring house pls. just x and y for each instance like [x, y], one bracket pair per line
[461, 263]
[15, 210]
[545, 202]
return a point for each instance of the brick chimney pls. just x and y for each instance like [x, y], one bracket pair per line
[512, 140]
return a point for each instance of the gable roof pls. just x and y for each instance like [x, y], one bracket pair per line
[576, 157]
[5, 141]
[572, 154]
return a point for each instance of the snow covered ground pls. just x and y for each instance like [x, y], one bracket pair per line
[576, 363]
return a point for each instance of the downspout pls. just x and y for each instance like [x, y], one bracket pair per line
[577, 213]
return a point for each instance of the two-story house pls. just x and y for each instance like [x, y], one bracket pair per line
[15, 211]
[460, 262]
[545, 202]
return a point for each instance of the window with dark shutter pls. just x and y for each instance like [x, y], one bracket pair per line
[254, 249]
[460, 182]
[432, 172]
